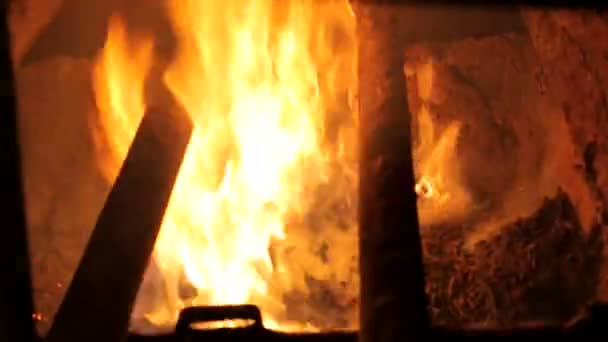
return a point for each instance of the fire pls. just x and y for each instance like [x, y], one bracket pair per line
[443, 194]
[119, 84]
[265, 200]
[268, 85]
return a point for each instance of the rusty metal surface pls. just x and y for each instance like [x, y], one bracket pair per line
[393, 301]
[98, 303]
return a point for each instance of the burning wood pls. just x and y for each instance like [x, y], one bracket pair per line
[104, 287]
[272, 152]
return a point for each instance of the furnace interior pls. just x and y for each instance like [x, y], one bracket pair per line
[510, 119]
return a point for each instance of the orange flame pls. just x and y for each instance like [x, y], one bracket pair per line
[440, 187]
[119, 83]
[266, 196]
[265, 83]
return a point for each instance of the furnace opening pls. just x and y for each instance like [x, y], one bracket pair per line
[511, 198]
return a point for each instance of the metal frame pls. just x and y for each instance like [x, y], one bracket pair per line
[16, 323]
[16, 306]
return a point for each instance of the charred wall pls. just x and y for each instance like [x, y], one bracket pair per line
[64, 187]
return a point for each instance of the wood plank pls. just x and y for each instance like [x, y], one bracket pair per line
[98, 303]
[393, 300]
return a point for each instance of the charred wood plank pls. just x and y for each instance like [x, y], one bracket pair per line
[393, 299]
[98, 303]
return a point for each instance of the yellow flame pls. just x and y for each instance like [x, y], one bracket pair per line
[265, 83]
[443, 194]
[119, 76]
[268, 179]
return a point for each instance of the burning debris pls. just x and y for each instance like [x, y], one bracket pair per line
[37, 316]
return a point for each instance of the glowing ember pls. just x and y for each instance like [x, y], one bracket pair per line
[233, 323]
[425, 188]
